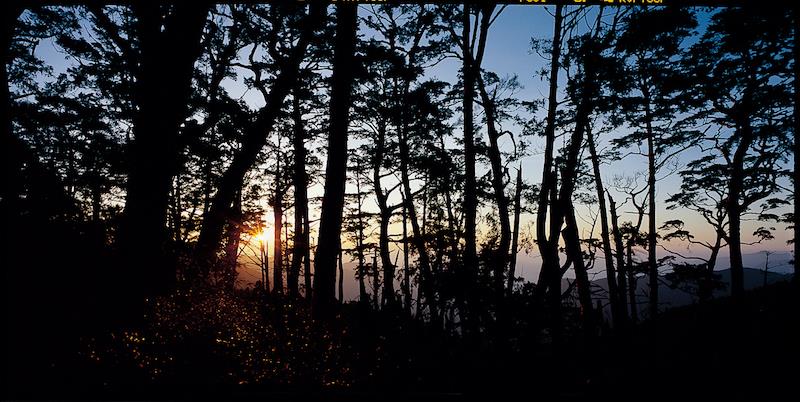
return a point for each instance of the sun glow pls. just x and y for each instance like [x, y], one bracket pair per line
[264, 236]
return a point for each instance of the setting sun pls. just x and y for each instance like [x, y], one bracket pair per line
[264, 236]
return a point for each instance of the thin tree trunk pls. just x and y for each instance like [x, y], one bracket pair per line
[385, 215]
[176, 209]
[376, 284]
[406, 271]
[620, 251]
[618, 315]
[330, 228]
[498, 185]
[262, 248]
[512, 266]
[652, 262]
[341, 274]
[573, 247]
[277, 245]
[364, 297]
[632, 283]
[448, 201]
[300, 197]
[418, 241]
[549, 275]
[307, 255]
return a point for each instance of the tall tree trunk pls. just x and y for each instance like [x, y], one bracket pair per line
[228, 273]
[175, 201]
[734, 205]
[498, 185]
[341, 274]
[277, 243]
[360, 244]
[406, 267]
[163, 86]
[376, 282]
[573, 246]
[706, 290]
[549, 276]
[470, 185]
[426, 281]
[385, 216]
[363, 296]
[652, 262]
[512, 266]
[620, 252]
[254, 139]
[300, 183]
[448, 201]
[263, 250]
[307, 255]
[631, 282]
[330, 228]
[617, 299]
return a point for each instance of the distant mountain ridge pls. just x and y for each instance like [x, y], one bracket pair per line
[669, 297]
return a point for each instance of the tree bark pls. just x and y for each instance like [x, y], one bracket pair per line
[323, 303]
[162, 89]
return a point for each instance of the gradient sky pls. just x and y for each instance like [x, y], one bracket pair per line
[508, 52]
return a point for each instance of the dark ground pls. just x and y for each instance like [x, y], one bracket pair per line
[711, 352]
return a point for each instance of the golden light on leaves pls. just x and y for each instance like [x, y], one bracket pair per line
[254, 340]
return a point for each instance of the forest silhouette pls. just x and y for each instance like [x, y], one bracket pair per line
[164, 237]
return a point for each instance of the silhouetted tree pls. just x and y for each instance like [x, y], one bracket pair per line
[741, 72]
[323, 302]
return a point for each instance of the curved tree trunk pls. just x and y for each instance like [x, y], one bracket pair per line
[498, 185]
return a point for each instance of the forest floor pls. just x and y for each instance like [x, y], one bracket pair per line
[200, 344]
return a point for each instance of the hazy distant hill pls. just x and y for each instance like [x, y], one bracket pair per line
[778, 261]
[669, 297]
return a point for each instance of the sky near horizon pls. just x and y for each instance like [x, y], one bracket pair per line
[508, 53]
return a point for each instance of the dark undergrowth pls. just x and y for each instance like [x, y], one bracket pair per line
[204, 343]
